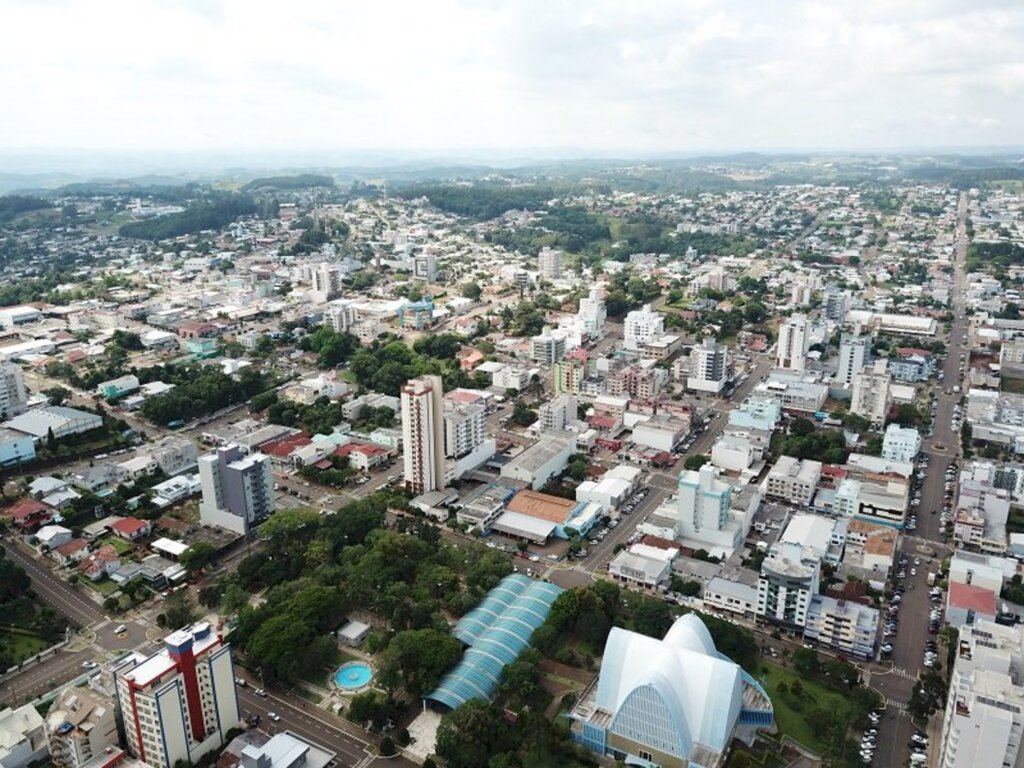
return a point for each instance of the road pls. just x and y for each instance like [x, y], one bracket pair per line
[314, 724]
[55, 591]
[941, 448]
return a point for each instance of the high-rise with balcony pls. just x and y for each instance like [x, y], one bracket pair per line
[179, 703]
[81, 728]
[549, 264]
[423, 434]
[708, 367]
[790, 576]
[871, 393]
[591, 317]
[854, 350]
[791, 353]
[238, 490]
[13, 400]
[984, 716]
[641, 326]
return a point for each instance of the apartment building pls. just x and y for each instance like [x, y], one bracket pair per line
[81, 726]
[984, 715]
[841, 625]
[708, 367]
[854, 350]
[793, 480]
[548, 347]
[591, 317]
[465, 427]
[791, 353]
[238, 490]
[549, 264]
[789, 578]
[900, 443]
[423, 434]
[13, 399]
[179, 703]
[641, 326]
[871, 393]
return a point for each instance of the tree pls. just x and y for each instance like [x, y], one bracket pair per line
[416, 659]
[651, 617]
[522, 414]
[387, 747]
[806, 662]
[178, 610]
[754, 312]
[470, 735]
[471, 291]
[801, 426]
[696, 461]
[197, 556]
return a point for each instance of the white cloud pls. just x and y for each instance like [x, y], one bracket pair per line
[655, 76]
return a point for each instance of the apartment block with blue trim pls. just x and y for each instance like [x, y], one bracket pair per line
[180, 702]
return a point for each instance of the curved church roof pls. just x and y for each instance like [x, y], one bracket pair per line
[671, 694]
[497, 631]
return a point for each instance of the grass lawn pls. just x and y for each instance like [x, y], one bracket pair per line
[789, 720]
[23, 645]
[121, 546]
[104, 586]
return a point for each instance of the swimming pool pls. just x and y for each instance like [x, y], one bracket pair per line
[353, 675]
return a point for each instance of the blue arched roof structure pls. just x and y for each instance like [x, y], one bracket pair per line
[497, 631]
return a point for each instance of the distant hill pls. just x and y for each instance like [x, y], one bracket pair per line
[299, 181]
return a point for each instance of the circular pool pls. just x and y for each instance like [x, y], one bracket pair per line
[353, 676]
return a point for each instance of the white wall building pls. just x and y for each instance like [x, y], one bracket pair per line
[791, 353]
[238, 491]
[853, 354]
[465, 427]
[871, 393]
[703, 510]
[790, 576]
[642, 326]
[549, 264]
[423, 434]
[984, 715]
[591, 317]
[793, 480]
[22, 737]
[708, 367]
[900, 443]
[557, 414]
[548, 347]
[326, 282]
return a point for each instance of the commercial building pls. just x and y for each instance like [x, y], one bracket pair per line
[13, 399]
[119, 387]
[854, 350]
[900, 443]
[16, 447]
[614, 487]
[539, 516]
[179, 703]
[789, 578]
[549, 264]
[709, 369]
[794, 391]
[494, 634]
[58, 419]
[662, 432]
[558, 414]
[842, 625]
[722, 594]
[80, 727]
[642, 565]
[173, 455]
[238, 491]
[423, 434]
[793, 480]
[542, 460]
[791, 353]
[675, 702]
[641, 326]
[871, 393]
[984, 715]
[733, 453]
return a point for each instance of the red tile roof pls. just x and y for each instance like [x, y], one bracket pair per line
[71, 547]
[28, 509]
[130, 526]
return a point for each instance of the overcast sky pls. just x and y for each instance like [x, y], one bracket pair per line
[623, 76]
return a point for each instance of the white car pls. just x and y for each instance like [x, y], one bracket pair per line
[274, 716]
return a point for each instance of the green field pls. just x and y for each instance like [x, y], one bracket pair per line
[22, 644]
[121, 546]
[104, 586]
[790, 712]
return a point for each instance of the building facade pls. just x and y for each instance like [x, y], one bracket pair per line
[80, 727]
[789, 579]
[641, 326]
[708, 367]
[179, 703]
[871, 393]
[238, 491]
[854, 350]
[791, 353]
[423, 434]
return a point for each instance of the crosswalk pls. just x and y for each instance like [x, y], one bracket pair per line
[900, 672]
[899, 706]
